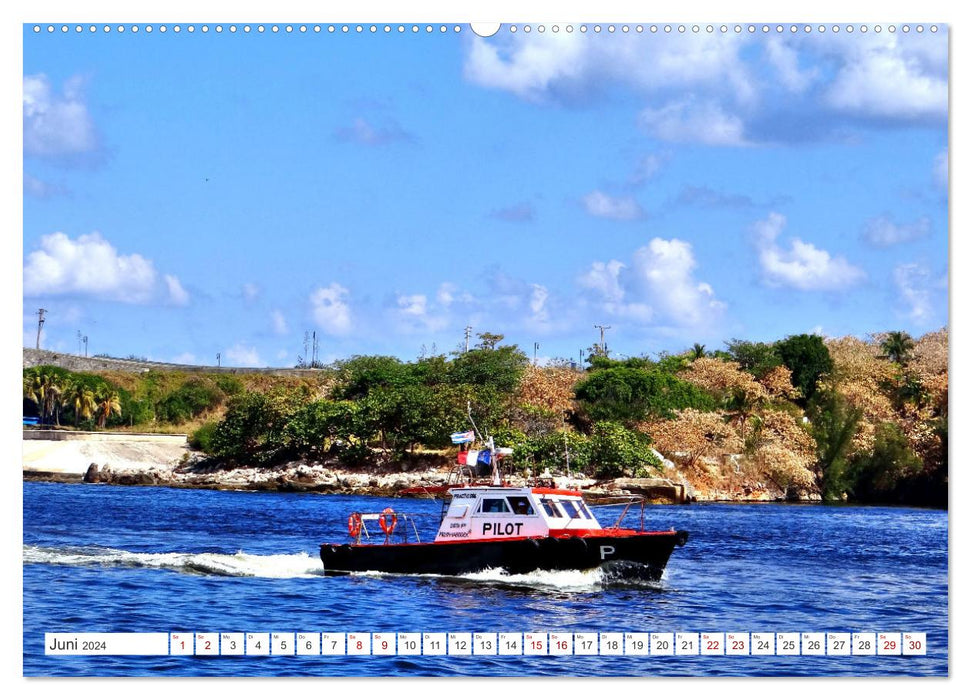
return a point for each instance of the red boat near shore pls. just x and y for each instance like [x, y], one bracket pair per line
[496, 526]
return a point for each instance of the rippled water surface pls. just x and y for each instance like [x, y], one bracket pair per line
[140, 559]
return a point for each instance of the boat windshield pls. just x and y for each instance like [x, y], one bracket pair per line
[571, 509]
[494, 505]
[521, 505]
[551, 508]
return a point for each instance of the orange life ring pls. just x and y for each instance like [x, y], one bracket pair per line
[354, 524]
[387, 526]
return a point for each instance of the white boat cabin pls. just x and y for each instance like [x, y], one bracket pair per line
[495, 512]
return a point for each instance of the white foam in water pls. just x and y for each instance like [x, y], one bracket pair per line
[300, 565]
[573, 580]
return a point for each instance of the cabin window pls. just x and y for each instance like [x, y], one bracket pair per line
[551, 508]
[521, 505]
[494, 505]
[571, 509]
[583, 508]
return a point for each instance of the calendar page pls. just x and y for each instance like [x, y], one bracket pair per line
[391, 348]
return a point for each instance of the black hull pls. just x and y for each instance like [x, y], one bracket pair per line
[647, 552]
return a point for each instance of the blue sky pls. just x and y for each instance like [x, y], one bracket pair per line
[193, 194]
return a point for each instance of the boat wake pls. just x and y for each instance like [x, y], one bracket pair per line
[304, 565]
[239, 564]
[571, 581]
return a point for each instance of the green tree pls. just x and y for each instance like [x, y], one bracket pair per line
[882, 474]
[897, 347]
[363, 373]
[808, 359]
[833, 425]
[618, 451]
[108, 404]
[697, 351]
[253, 431]
[45, 385]
[489, 341]
[628, 394]
[755, 358]
[499, 369]
[82, 399]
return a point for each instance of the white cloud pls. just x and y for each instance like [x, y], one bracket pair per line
[882, 231]
[413, 304]
[363, 132]
[41, 189]
[803, 266]
[604, 206]
[537, 303]
[446, 293]
[941, 169]
[604, 278]
[56, 125]
[91, 266]
[413, 313]
[177, 293]
[280, 326]
[688, 120]
[565, 66]
[658, 285]
[785, 60]
[528, 69]
[243, 356]
[891, 77]
[664, 269]
[185, 358]
[647, 167]
[251, 291]
[330, 309]
[913, 285]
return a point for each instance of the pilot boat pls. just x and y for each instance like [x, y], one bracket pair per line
[494, 525]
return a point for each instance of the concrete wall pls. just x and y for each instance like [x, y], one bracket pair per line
[77, 363]
[83, 436]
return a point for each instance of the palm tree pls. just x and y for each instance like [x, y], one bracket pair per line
[108, 404]
[45, 392]
[697, 351]
[743, 406]
[897, 346]
[82, 399]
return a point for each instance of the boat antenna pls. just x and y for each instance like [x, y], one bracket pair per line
[566, 447]
[468, 408]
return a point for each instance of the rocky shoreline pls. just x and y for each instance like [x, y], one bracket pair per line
[196, 472]
[166, 460]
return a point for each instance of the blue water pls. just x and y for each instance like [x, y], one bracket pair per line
[140, 559]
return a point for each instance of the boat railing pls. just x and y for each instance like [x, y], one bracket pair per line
[627, 502]
[399, 532]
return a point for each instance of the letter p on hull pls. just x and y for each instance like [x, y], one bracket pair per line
[605, 551]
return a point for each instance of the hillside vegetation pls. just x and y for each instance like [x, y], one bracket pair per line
[805, 417]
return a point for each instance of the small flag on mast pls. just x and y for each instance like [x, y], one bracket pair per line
[462, 438]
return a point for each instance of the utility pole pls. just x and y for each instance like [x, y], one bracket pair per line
[219, 359]
[313, 363]
[535, 350]
[468, 334]
[40, 324]
[85, 346]
[603, 343]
